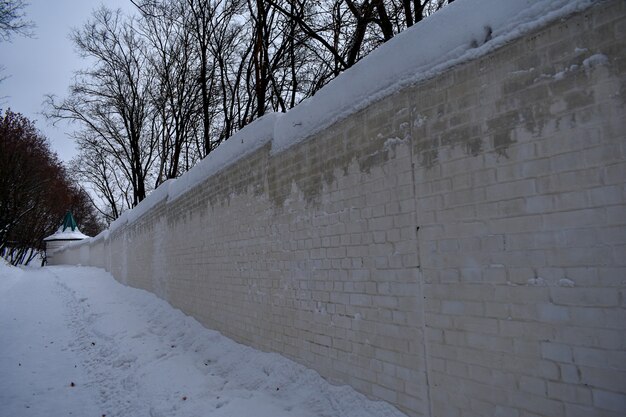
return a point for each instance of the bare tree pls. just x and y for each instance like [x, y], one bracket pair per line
[172, 56]
[95, 169]
[13, 19]
[111, 99]
[169, 86]
[341, 32]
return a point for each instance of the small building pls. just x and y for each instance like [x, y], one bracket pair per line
[67, 232]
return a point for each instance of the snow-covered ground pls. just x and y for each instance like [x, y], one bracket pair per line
[74, 342]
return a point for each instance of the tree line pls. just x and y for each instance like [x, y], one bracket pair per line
[35, 187]
[166, 85]
[35, 191]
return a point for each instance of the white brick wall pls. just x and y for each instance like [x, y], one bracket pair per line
[508, 300]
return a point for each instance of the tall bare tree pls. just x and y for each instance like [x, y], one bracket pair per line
[95, 168]
[177, 115]
[111, 100]
[169, 86]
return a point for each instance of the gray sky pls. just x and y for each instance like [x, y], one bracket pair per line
[45, 63]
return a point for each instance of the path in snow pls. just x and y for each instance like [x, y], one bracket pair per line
[129, 354]
[37, 364]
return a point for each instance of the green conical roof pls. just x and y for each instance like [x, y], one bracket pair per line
[67, 231]
[69, 222]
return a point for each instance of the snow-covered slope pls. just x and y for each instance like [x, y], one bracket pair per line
[9, 275]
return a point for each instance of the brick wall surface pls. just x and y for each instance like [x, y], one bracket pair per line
[456, 249]
[520, 173]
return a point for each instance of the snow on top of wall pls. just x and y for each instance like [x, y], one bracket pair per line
[460, 32]
[241, 144]
[102, 235]
[76, 243]
[154, 198]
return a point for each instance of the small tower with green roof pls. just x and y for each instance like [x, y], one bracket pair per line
[67, 232]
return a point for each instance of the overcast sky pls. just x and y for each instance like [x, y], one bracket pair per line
[45, 63]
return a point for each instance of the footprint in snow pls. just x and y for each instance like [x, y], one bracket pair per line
[124, 361]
